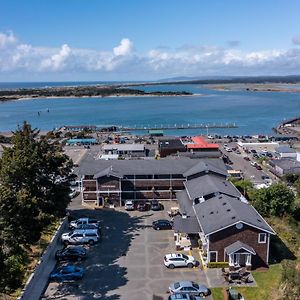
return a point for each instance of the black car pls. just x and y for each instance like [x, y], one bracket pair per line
[162, 224]
[155, 205]
[71, 253]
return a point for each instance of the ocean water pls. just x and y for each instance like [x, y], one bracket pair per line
[252, 112]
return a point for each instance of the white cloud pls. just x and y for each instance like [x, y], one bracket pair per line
[125, 48]
[7, 39]
[18, 59]
[57, 61]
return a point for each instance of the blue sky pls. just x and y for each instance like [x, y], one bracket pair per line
[82, 39]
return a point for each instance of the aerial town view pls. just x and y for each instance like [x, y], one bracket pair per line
[149, 150]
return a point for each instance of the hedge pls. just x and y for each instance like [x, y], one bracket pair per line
[221, 264]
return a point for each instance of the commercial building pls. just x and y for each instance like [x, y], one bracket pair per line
[133, 150]
[170, 146]
[285, 166]
[194, 145]
[286, 152]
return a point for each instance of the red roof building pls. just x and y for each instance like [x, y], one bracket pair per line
[198, 143]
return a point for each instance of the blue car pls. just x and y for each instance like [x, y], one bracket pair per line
[66, 273]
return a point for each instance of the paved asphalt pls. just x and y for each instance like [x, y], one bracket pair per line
[128, 262]
[250, 172]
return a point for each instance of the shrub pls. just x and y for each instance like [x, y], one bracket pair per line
[220, 264]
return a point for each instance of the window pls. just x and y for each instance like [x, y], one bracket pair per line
[262, 238]
[213, 256]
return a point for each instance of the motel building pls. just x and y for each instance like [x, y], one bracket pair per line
[213, 215]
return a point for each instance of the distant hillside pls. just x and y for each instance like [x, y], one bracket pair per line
[232, 79]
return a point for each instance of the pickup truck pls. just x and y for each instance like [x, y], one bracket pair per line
[83, 221]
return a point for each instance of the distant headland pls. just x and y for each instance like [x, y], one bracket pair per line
[82, 91]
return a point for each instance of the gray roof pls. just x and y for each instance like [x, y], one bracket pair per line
[185, 204]
[124, 147]
[201, 154]
[222, 211]
[287, 164]
[171, 143]
[186, 225]
[236, 246]
[209, 184]
[213, 165]
[108, 172]
[91, 166]
[284, 149]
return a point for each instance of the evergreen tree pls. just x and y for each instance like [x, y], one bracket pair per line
[34, 190]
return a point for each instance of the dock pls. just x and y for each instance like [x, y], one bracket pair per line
[176, 127]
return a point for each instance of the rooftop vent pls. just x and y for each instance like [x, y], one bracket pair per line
[233, 218]
[228, 209]
[211, 213]
[259, 220]
[224, 203]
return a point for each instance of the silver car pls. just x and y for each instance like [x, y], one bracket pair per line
[184, 297]
[189, 287]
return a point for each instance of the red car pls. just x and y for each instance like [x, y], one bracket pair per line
[142, 206]
[246, 158]
[258, 167]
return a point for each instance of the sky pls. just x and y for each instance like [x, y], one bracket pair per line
[70, 40]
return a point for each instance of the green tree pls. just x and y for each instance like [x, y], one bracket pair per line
[243, 185]
[34, 190]
[275, 200]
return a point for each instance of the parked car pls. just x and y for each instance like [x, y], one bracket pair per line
[233, 294]
[175, 260]
[71, 253]
[142, 206]
[73, 193]
[184, 297]
[81, 221]
[155, 205]
[253, 164]
[162, 224]
[258, 167]
[90, 226]
[246, 158]
[189, 287]
[129, 205]
[68, 272]
[89, 236]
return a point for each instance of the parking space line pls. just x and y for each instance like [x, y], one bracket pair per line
[202, 261]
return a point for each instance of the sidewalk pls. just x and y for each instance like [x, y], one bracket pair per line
[38, 281]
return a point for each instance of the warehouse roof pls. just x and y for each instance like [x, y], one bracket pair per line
[124, 147]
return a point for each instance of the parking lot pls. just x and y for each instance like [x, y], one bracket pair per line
[128, 262]
[249, 172]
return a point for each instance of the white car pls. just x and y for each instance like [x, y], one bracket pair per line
[129, 205]
[175, 260]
